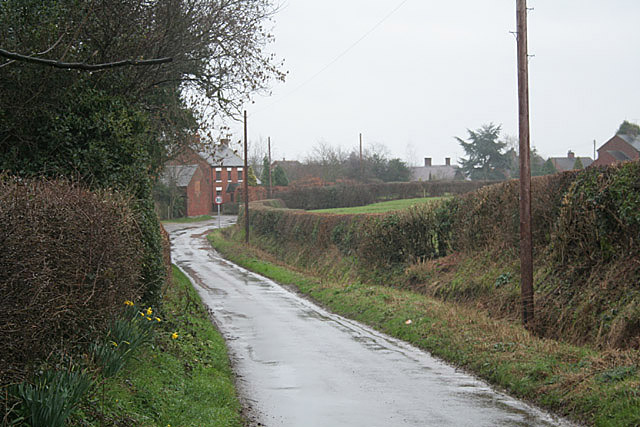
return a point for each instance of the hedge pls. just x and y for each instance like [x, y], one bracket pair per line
[347, 195]
[70, 258]
[586, 228]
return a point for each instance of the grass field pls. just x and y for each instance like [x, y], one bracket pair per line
[381, 207]
[186, 381]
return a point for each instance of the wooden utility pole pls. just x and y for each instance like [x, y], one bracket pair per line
[526, 245]
[246, 184]
[361, 165]
[269, 145]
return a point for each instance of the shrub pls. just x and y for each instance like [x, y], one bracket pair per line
[347, 195]
[70, 256]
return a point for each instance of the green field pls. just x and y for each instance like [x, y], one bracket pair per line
[381, 207]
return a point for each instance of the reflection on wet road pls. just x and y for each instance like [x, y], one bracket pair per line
[299, 365]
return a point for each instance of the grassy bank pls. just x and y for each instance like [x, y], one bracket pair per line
[182, 380]
[595, 387]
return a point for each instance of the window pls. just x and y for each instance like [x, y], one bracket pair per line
[218, 176]
[239, 175]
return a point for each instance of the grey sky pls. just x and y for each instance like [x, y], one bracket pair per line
[435, 68]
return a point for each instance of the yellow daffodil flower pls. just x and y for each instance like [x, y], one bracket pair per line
[149, 311]
[174, 335]
[129, 303]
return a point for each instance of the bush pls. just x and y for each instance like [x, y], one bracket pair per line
[70, 257]
[347, 195]
[586, 248]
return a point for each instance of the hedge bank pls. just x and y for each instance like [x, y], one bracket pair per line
[585, 229]
[70, 257]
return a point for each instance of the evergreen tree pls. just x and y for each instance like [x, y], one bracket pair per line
[279, 177]
[264, 176]
[627, 128]
[548, 168]
[486, 159]
[578, 164]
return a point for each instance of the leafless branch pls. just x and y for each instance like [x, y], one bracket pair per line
[81, 65]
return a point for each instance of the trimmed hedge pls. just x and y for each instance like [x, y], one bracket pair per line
[586, 233]
[70, 258]
[345, 195]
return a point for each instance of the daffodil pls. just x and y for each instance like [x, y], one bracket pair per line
[149, 311]
[141, 314]
[129, 303]
[158, 319]
[174, 335]
[113, 343]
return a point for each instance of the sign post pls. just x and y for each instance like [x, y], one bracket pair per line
[218, 203]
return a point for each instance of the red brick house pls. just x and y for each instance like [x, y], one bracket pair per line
[193, 184]
[227, 171]
[224, 171]
[620, 148]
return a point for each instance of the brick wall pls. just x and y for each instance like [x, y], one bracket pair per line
[199, 200]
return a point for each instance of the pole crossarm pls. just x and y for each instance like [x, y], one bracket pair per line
[82, 65]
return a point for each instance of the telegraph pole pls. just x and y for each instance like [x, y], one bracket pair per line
[246, 184]
[361, 165]
[526, 245]
[269, 145]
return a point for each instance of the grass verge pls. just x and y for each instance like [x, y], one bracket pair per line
[594, 387]
[183, 381]
[188, 219]
[381, 207]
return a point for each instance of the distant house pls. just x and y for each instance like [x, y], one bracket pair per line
[567, 163]
[223, 170]
[620, 148]
[193, 183]
[227, 171]
[430, 172]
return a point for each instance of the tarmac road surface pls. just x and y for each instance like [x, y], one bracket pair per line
[299, 365]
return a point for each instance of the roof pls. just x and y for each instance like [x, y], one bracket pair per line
[178, 175]
[566, 163]
[632, 140]
[434, 173]
[223, 156]
[619, 155]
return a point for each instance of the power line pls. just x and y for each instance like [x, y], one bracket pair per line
[336, 59]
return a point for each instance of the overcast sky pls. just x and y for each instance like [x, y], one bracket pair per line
[433, 69]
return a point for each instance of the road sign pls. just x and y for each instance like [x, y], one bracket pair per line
[218, 200]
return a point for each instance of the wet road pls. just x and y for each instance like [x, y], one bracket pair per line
[299, 365]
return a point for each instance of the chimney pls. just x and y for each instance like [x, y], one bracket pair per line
[447, 161]
[427, 161]
[571, 154]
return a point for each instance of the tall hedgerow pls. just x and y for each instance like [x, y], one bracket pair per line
[69, 259]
